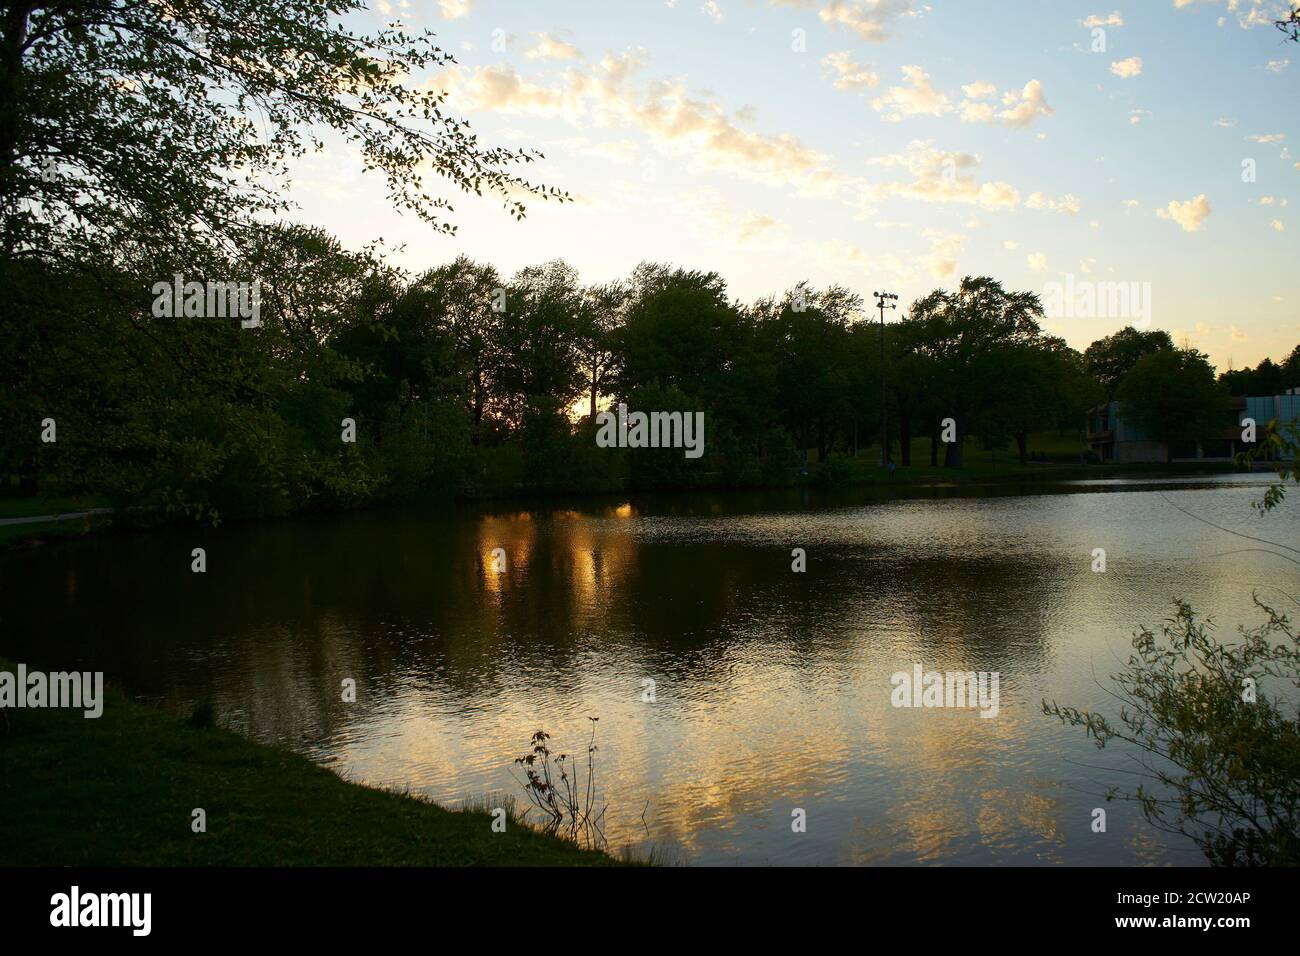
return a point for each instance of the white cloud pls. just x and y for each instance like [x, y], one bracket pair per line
[1191, 215]
[1038, 262]
[1019, 108]
[1127, 69]
[713, 11]
[1022, 108]
[1277, 66]
[454, 9]
[918, 98]
[941, 260]
[1067, 204]
[552, 48]
[712, 219]
[867, 18]
[676, 122]
[940, 177]
[1250, 13]
[1099, 20]
[848, 74]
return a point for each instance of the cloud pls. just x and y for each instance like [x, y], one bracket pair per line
[917, 98]
[1277, 66]
[1098, 20]
[848, 74]
[676, 122]
[551, 48]
[1024, 107]
[1191, 215]
[1135, 117]
[1127, 69]
[499, 89]
[1267, 138]
[1038, 262]
[1250, 13]
[940, 177]
[454, 9]
[712, 219]
[713, 11]
[941, 260]
[1066, 204]
[1224, 122]
[1278, 225]
[1019, 108]
[867, 18]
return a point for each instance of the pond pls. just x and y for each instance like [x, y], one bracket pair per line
[731, 690]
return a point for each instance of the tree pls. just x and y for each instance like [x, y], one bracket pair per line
[1219, 757]
[540, 340]
[970, 336]
[604, 310]
[1111, 358]
[1041, 388]
[1267, 378]
[170, 126]
[809, 329]
[1290, 26]
[1172, 396]
[1291, 369]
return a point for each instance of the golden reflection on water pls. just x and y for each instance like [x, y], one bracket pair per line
[771, 688]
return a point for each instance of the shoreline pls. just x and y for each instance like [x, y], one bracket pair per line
[121, 790]
[36, 530]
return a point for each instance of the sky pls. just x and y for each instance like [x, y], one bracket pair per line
[882, 145]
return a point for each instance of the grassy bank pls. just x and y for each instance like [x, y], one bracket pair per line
[1059, 462]
[120, 789]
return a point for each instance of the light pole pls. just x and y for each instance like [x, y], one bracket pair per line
[884, 300]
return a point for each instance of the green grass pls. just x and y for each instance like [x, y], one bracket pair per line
[31, 535]
[981, 465]
[1061, 449]
[26, 507]
[119, 790]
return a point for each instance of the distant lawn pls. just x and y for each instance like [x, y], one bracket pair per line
[27, 507]
[23, 535]
[1060, 449]
[119, 791]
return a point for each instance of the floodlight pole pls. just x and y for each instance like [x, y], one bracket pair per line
[884, 300]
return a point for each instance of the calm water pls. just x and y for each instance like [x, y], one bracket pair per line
[772, 687]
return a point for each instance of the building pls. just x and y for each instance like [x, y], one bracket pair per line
[1112, 439]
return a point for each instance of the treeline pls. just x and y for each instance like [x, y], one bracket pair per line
[460, 381]
[121, 169]
[1172, 393]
